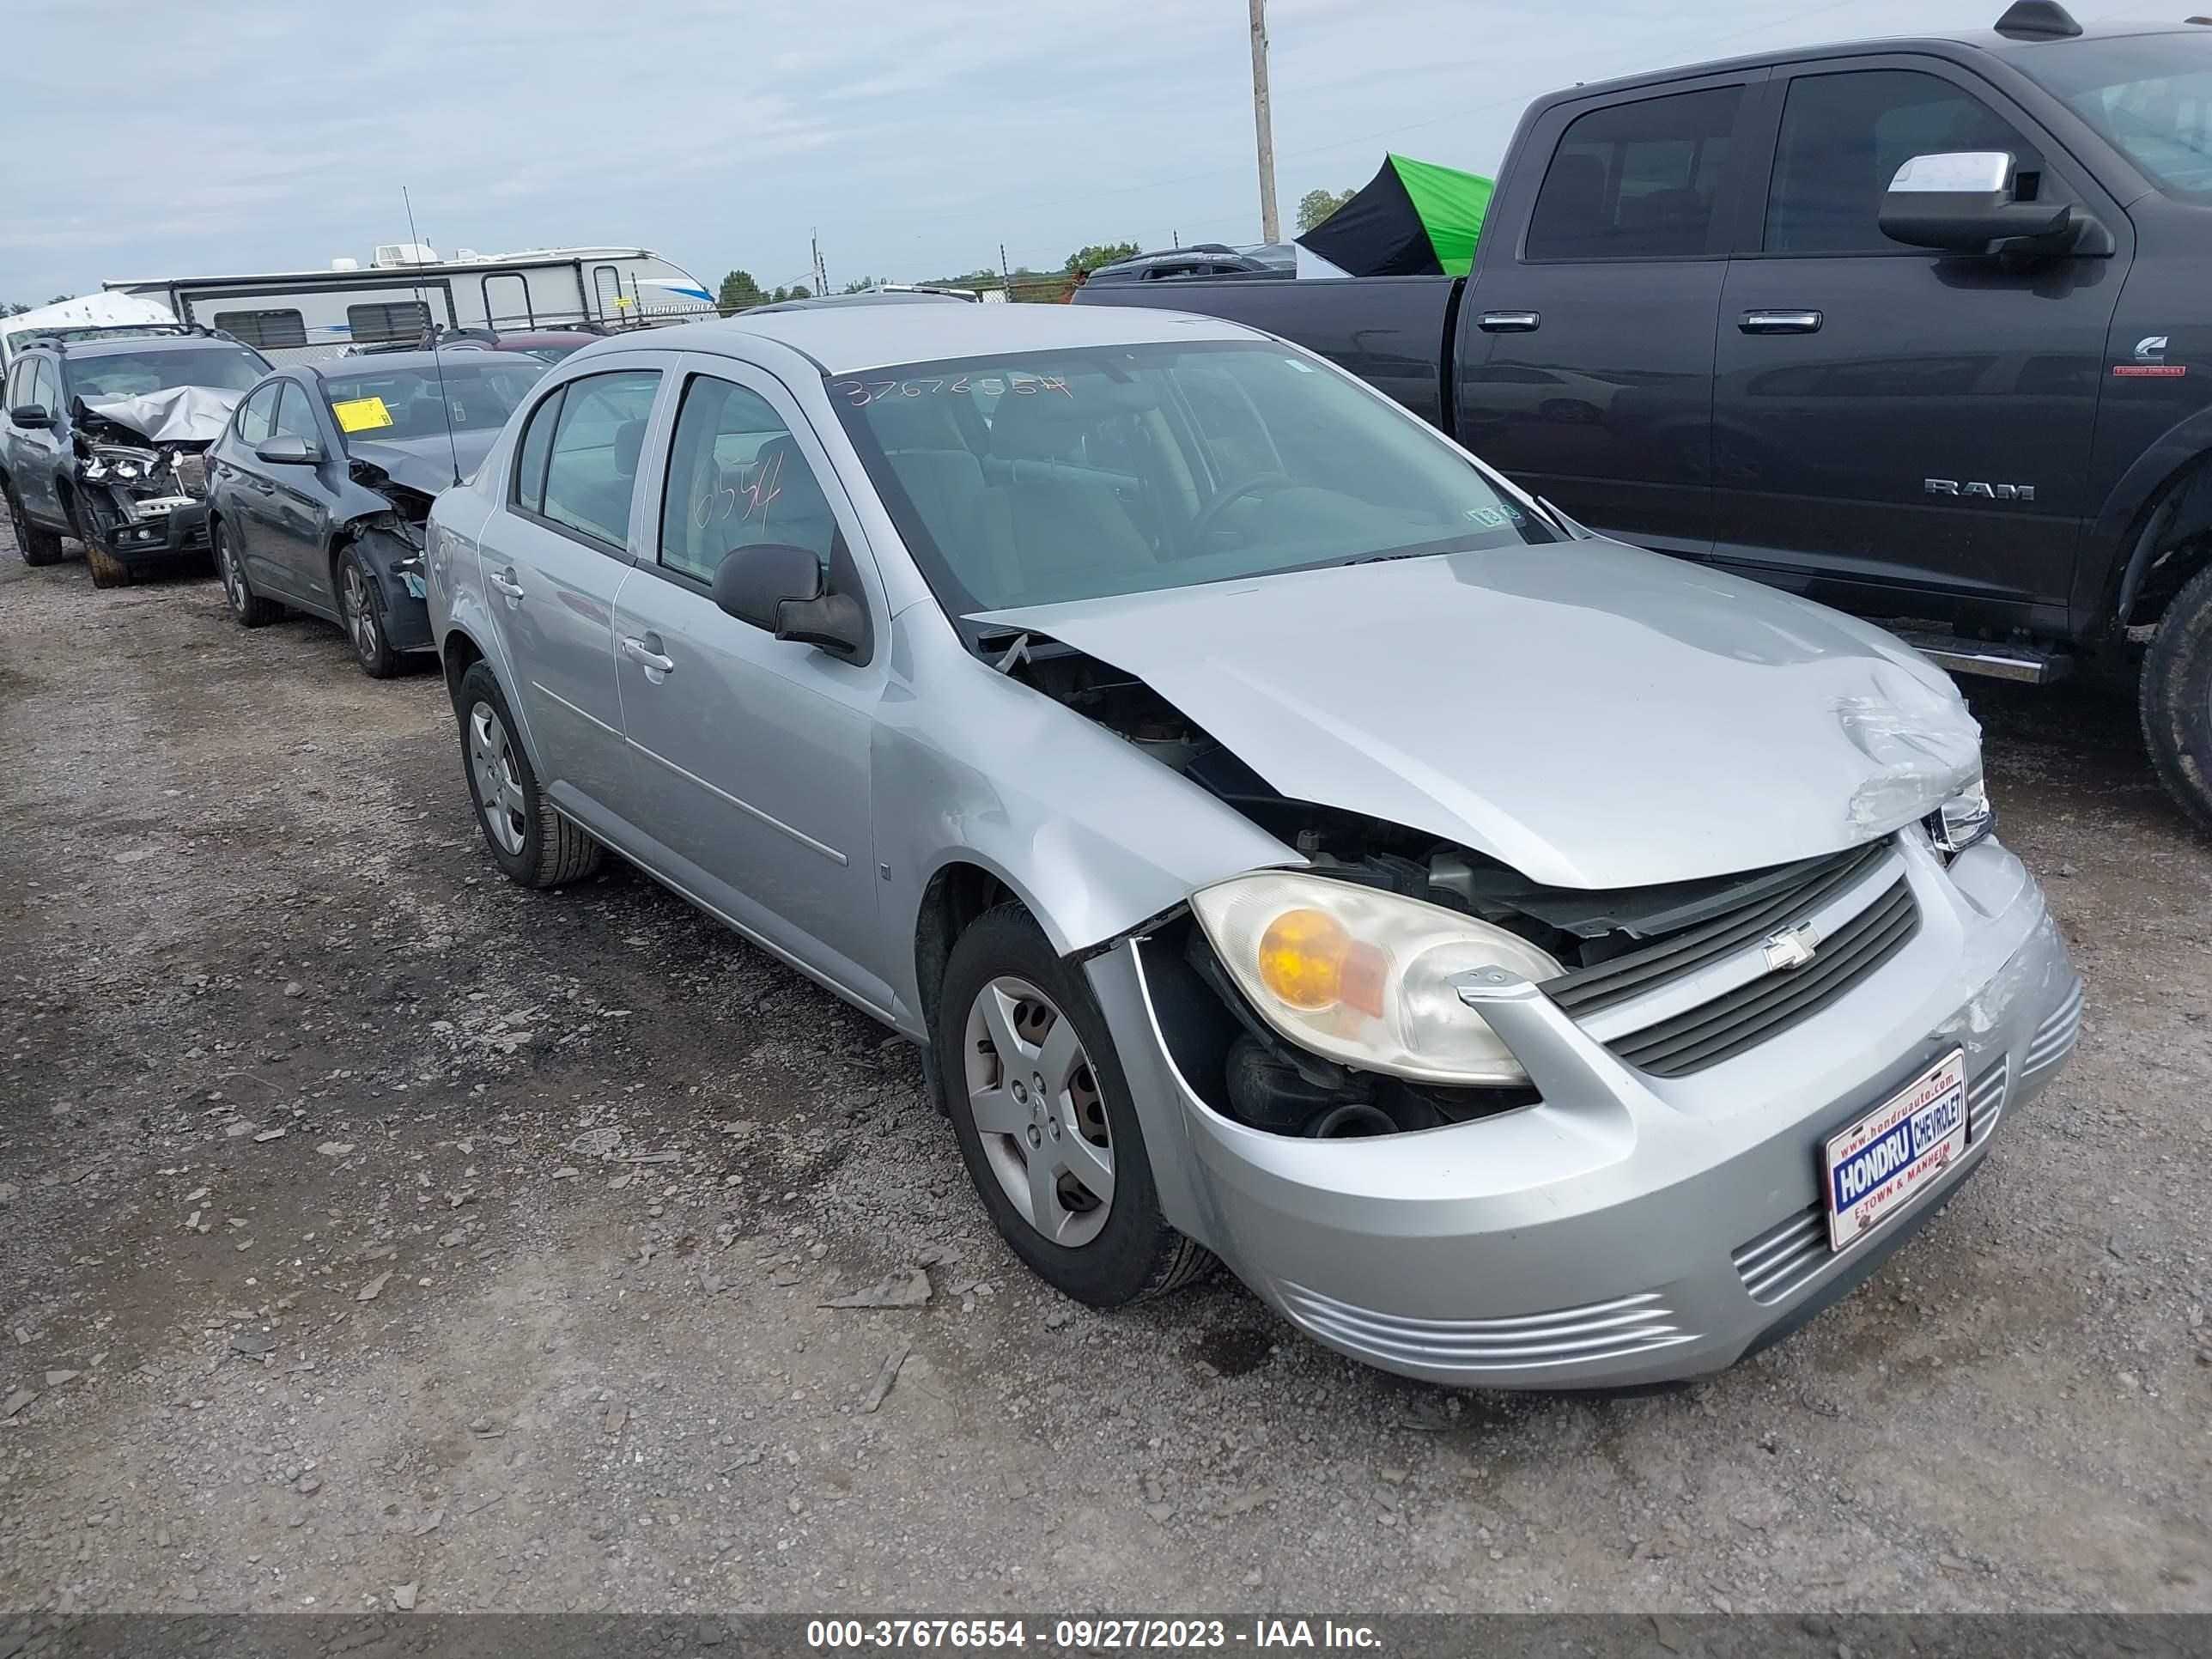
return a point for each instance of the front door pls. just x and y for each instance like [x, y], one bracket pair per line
[1914, 426]
[752, 753]
[1586, 353]
[553, 562]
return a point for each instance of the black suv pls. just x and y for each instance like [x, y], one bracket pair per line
[102, 439]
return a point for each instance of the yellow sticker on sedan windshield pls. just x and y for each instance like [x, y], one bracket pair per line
[362, 414]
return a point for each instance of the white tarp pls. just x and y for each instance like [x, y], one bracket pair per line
[90, 310]
[185, 414]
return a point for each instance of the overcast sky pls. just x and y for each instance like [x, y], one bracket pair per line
[245, 135]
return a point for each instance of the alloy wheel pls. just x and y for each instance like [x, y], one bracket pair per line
[1038, 1112]
[359, 612]
[498, 780]
[234, 581]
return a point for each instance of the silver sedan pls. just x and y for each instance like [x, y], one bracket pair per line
[1524, 960]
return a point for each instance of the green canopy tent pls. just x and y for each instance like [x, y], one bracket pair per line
[1413, 219]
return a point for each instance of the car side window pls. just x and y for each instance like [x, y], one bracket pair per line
[1641, 180]
[296, 415]
[19, 380]
[46, 386]
[591, 468]
[1844, 136]
[529, 489]
[257, 416]
[735, 477]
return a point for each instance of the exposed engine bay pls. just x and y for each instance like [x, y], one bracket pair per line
[1271, 1083]
[143, 460]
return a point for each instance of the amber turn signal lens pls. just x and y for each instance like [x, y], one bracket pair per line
[1302, 957]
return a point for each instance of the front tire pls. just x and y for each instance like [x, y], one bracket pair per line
[1043, 1117]
[2176, 700]
[248, 608]
[107, 570]
[38, 547]
[532, 844]
[361, 602]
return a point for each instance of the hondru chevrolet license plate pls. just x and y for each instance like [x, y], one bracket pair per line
[1877, 1166]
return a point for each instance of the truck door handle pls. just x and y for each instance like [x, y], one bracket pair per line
[1780, 322]
[1508, 322]
[504, 582]
[642, 651]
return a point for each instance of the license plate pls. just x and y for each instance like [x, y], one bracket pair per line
[1882, 1163]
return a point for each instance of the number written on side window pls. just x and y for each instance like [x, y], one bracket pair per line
[737, 477]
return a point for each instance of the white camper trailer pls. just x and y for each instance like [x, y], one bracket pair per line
[92, 316]
[304, 315]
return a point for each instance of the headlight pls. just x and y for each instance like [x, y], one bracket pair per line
[1961, 821]
[1366, 976]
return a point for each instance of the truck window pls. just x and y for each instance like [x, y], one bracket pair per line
[266, 330]
[373, 324]
[1844, 136]
[1637, 180]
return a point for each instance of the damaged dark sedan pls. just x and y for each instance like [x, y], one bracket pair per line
[105, 441]
[319, 487]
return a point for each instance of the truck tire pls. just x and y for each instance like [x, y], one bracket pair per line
[2176, 695]
[36, 545]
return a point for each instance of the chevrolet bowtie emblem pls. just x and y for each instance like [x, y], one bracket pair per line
[1793, 947]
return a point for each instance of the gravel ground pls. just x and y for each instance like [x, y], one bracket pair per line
[373, 1234]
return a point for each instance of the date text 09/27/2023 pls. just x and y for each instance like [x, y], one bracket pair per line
[1089, 1635]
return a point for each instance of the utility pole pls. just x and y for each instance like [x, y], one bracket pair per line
[1263, 123]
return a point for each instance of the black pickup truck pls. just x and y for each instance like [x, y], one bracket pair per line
[1919, 328]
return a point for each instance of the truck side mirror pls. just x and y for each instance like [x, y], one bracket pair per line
[1961, 201]
[31, 417]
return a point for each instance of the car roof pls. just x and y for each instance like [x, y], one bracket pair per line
[138, 345]
[842, 340]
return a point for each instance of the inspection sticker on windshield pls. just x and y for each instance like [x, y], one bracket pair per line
[362, 414]
[1880, 1164]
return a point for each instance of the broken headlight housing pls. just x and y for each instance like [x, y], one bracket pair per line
[1366, 976]
[1961, 821]
[121, 464]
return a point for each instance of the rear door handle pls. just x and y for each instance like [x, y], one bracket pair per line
[1780, 322]
[1508, 322]
[504, 582]
[642, 651]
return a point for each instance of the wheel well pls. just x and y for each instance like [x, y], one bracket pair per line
[460, 655]
[957, 895]
[2171, 544]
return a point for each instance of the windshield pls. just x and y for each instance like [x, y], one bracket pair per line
[2149, 95]
[1026, 480]
[387, 403]
[134, 373]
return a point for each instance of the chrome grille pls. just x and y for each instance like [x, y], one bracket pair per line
[1742, 1019]
[2055, 1038]
[1620, 1329]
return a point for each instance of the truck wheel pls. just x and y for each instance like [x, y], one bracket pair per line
[530, 840]
[1044, 1120]
[2177, 700]
[249, 608]
[361, 599]
[107, 570]
[36, 545]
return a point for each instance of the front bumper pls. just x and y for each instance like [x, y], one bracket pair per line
[1629, 1228]
[158, 534]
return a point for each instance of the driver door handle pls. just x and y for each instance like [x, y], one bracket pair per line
[1508, 322]
[641, 651]
[504, 582]
[1780, 322]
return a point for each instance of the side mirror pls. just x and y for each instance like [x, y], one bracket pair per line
[1961, 201]
[286, 450]
[779, 587]
[32, 418]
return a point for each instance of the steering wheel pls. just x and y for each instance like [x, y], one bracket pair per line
[1254, 484]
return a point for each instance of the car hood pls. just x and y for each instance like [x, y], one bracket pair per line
[425, 464]
[1589, 714]
[184, 414]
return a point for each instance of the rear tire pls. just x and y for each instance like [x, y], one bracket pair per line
[2176, 700]
[1129, 1254]
[361, 602]
[248, 608]
[36, 546]
[532, 844]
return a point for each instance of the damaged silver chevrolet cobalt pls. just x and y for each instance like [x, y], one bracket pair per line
[1525, 961]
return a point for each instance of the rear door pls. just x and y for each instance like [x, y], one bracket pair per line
[1586, 348]
[298, 503]
[554, 559]
[246, 495]
[1895, 426]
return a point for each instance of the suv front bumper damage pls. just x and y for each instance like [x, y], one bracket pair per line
[1628, 1228]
